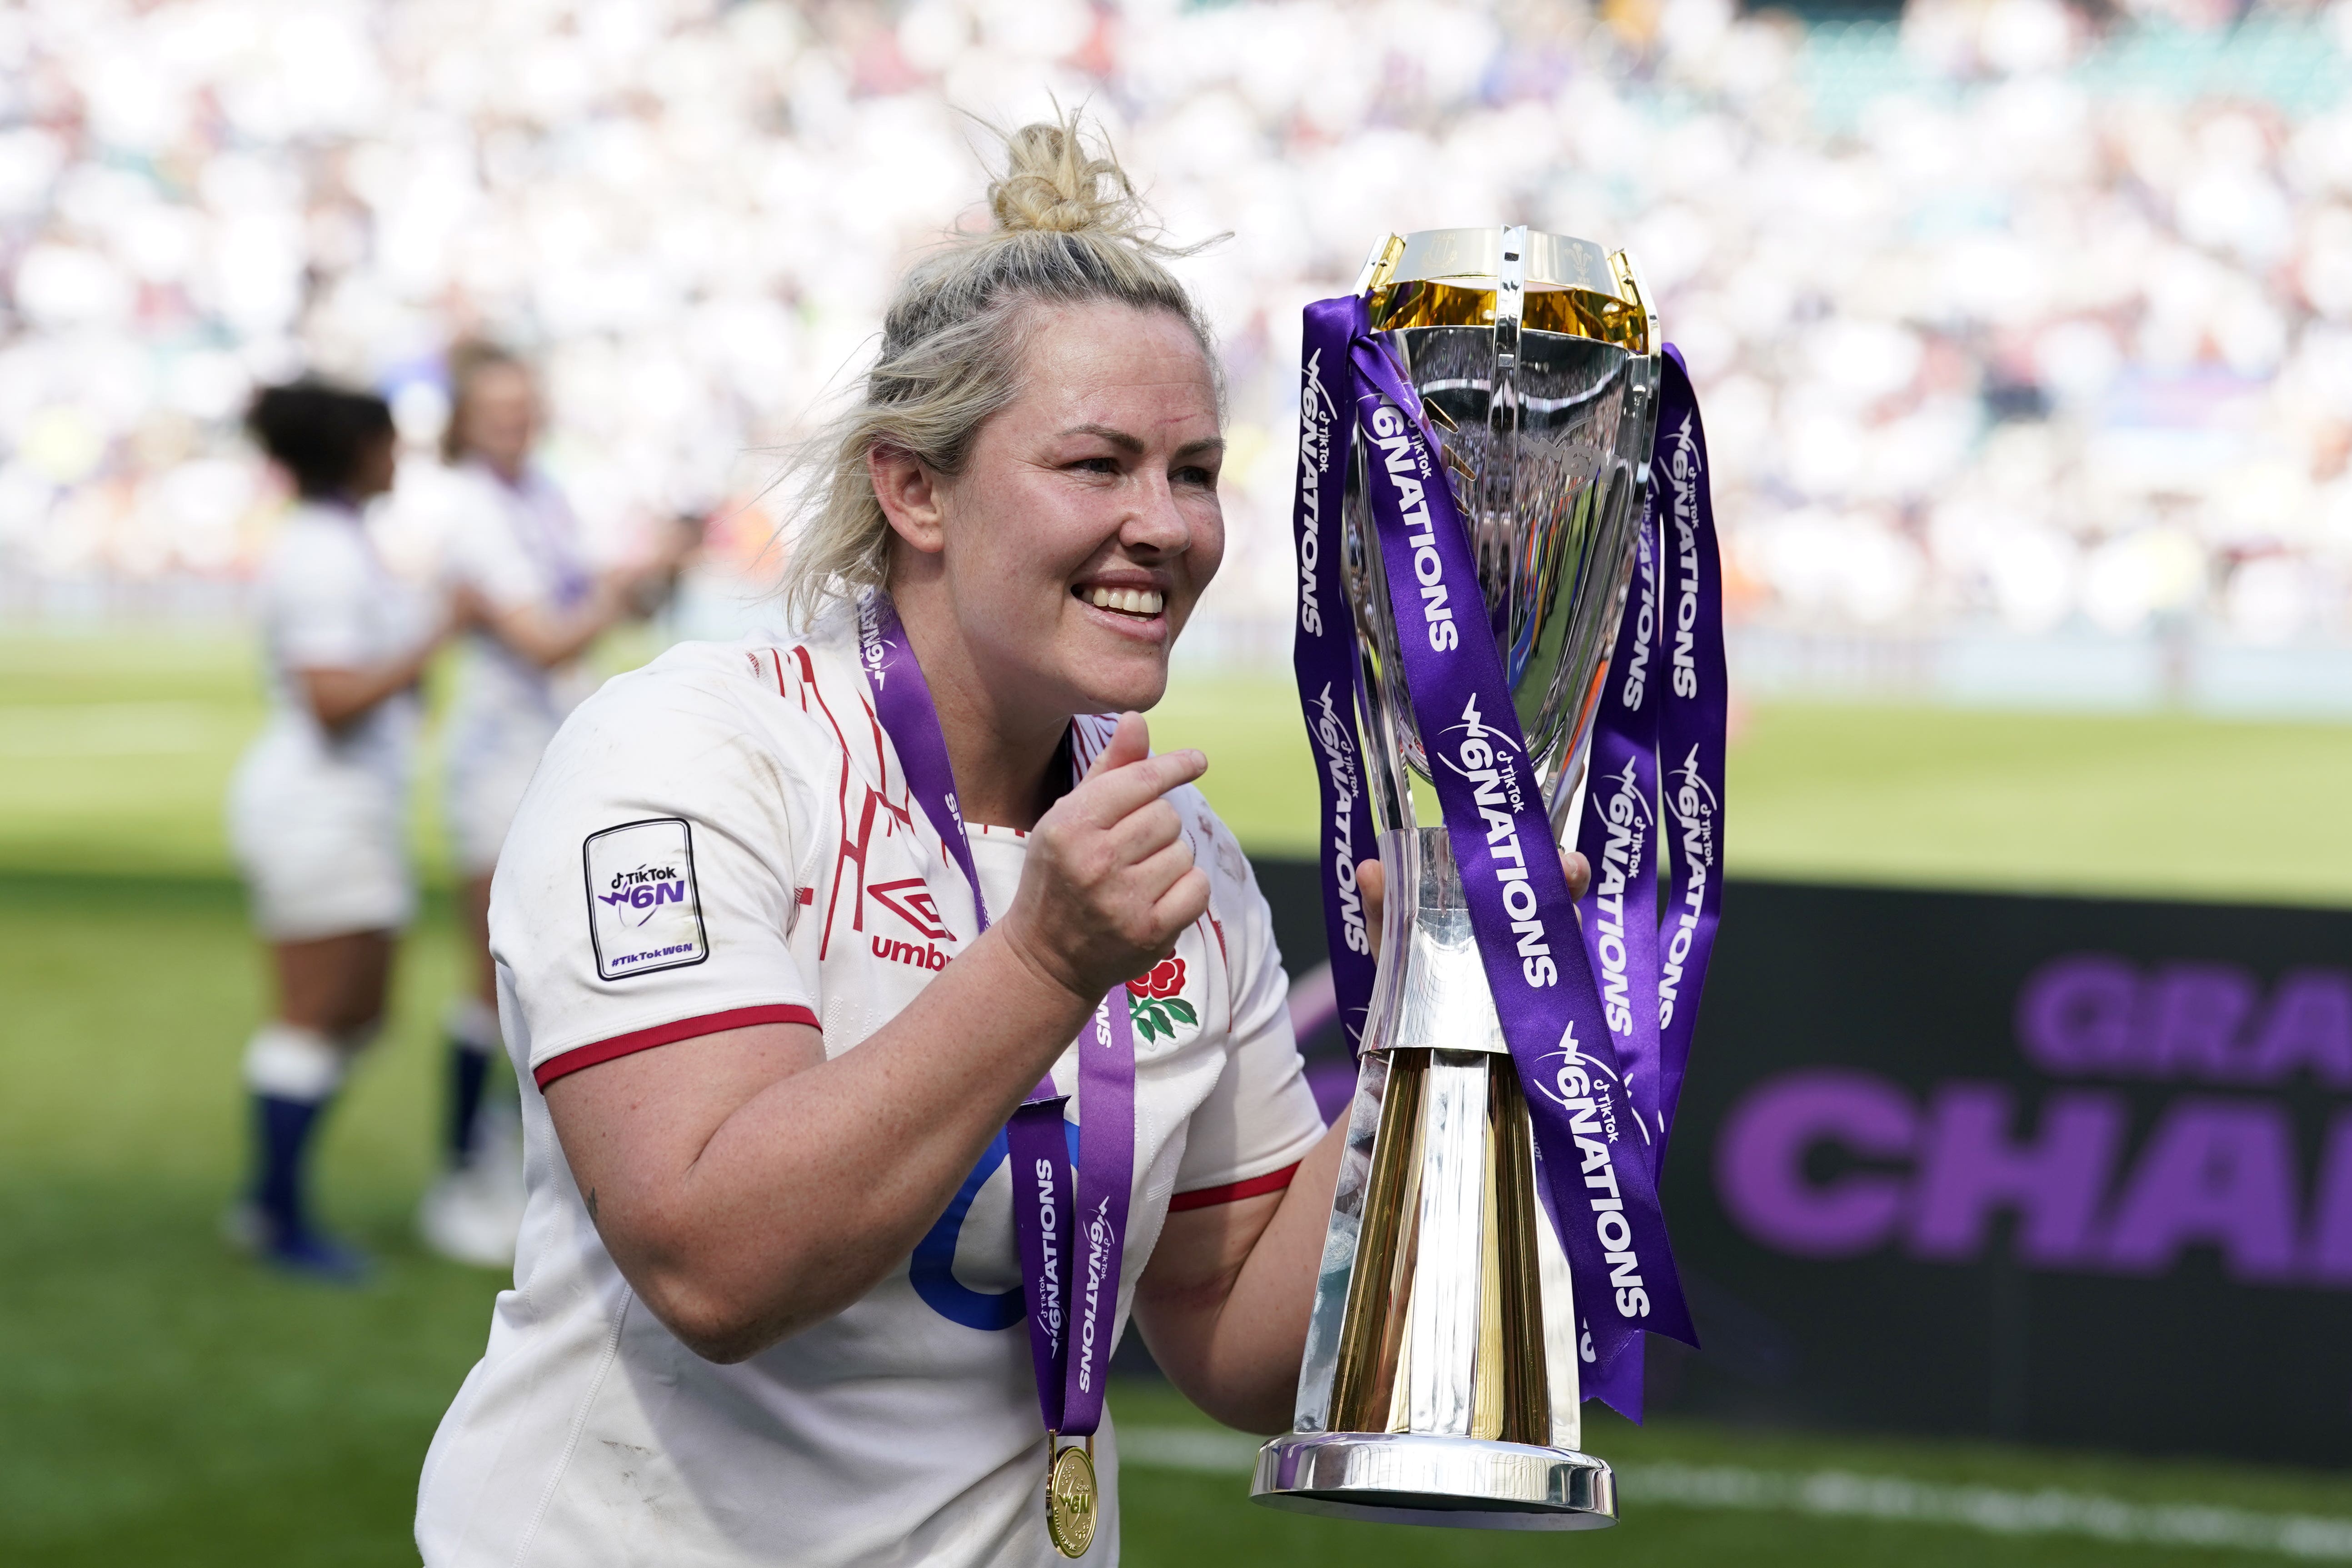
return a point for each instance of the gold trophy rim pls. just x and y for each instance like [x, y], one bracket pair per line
[1615, 307]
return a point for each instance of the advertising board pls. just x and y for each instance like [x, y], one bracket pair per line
[2052, 1169]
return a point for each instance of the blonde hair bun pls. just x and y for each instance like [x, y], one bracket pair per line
[1070, 230]
[1055, 183]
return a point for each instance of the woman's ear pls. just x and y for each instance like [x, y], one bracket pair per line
[913, 497]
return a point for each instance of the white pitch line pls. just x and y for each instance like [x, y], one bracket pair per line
[1842, 1494]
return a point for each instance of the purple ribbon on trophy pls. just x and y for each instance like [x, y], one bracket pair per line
[1323, 656]
[1662, 718]
[1599, 1070]
[1073, 1237]
[1692, 730]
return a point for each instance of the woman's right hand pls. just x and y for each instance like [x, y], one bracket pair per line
[1109, 882]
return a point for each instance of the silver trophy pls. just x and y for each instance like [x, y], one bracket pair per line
[1441, 1382]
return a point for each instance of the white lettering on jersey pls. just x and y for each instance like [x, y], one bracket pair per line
[642, 912]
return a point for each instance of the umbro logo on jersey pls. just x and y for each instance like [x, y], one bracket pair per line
[644, 913]
[910, 901]
[924, 957]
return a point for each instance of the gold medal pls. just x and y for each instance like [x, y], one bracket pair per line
[1070, 1501]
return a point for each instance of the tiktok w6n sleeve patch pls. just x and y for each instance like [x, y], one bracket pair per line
[642, 912]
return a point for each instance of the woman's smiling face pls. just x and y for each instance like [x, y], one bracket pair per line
[1078, 539]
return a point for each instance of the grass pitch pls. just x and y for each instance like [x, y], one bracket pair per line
[2157, 806]
[115, 755]
[163, 1403]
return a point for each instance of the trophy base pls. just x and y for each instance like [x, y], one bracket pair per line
[1456, 1483]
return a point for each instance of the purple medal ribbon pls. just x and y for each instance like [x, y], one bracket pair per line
[1069, 1301]
[1594, 1140]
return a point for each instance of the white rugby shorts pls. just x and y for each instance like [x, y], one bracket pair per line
[321, 846]
[488, 771]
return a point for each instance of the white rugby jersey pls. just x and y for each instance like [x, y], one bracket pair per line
[726, 837]
[327, 602]
[518, 547]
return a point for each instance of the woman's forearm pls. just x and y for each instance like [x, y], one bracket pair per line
[550, 641]
[741, 1225]
[341, 697]
[1231, 1338]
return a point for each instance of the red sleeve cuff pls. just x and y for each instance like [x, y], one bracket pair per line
[580, 1057]
[1208, 1197]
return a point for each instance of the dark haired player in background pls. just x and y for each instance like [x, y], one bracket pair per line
[317, 805]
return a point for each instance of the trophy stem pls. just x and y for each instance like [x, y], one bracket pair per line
[1370, 1334]
[1515, 1287]
[1440, 1382]
[1443, 1331]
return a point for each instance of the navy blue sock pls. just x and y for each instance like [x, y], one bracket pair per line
[469, 1070]
[282, 1130]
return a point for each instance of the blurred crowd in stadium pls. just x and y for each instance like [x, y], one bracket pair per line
[2011, 314]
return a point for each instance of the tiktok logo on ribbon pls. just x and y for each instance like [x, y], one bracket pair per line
[1317, 414]
[1404, 466]
[873, 647]
[1335, 732]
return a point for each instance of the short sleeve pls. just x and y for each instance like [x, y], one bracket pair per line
[1261, 1119]
[323, 598]
[647, 891]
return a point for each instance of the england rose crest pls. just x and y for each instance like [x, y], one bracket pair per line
[1156, 1003]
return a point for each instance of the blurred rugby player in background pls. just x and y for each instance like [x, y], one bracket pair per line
[317, 807]
[507, 537]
